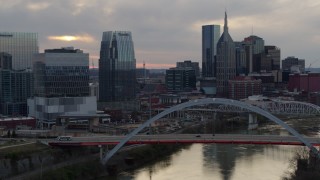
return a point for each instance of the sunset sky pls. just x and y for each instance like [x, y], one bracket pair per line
[166, 31]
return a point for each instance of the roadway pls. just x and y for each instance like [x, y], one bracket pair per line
[185, 139]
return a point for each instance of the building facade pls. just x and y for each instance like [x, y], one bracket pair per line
[190, 64]
[15, 88]
[226, 62]
[291, 61]
[210, 37]
[180, 79]
[61, 73]
[244, 86]
[272, 55]
[304, 82]
[117, 67]
[61, 83]
[22, 46]
[254, 48]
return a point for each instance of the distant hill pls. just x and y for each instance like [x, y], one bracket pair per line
[157, 71]
[314, 70]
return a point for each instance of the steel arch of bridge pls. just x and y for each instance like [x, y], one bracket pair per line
[239, 104]
[291, 107]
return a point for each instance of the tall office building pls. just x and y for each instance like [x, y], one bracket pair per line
[210, 37]
[61, 83]
[254, 49]
[291, 61]
[180, 79]
[273, 53]
[22, 46]
[189, 64]
[15, 88]
[226, 61]
[241, 59]
[117, 66]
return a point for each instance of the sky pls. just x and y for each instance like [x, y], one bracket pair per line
[166, 31]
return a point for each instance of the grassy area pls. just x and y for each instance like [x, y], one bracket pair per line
[84, 170]
[9, 142]
[22, 151]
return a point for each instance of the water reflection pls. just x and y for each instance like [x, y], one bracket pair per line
[226, 161]
[219, 161]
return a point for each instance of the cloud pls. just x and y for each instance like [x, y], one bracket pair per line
[37, 6]
[81, 38]
[166, 31]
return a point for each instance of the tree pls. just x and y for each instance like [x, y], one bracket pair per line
[14, 134]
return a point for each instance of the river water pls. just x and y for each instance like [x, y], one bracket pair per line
[225, 162]
[221, 162]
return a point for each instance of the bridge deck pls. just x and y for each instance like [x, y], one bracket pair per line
[186, 139]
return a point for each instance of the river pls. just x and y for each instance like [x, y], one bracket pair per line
[221, 162]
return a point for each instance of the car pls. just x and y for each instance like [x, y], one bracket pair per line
[64, 138]
[198, 135]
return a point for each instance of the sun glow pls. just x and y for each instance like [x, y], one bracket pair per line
[63, 38]
[83, 38]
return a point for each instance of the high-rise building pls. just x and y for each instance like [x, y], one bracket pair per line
[210, 37]
[273, 54]
[290, 61]
[61, 73]
[22, 46]
[61, 83]
[241, 59]
[254, 48]
[256, 42]
[15, 88]
[190, 64]
[180, 79]
[226, 62]
[117, 67]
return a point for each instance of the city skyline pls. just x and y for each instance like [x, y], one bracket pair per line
[166, 34]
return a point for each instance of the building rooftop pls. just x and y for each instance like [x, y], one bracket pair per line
[64, 50]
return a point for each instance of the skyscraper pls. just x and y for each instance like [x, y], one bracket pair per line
[15, 88]
[210, 37]
[22, 46]
[226, 62]
[117, 65]
[254, 48]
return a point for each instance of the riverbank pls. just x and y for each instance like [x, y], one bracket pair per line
[89, 167]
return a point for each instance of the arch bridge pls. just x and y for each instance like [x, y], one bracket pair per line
[208, 101]
[272, 106]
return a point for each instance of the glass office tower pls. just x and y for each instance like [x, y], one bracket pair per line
[61, 85]
[117, 65]
[22, 46]
[210, 37]
[15, 88]
[61, 73]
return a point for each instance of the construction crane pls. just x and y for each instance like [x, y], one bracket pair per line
[311, 64]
